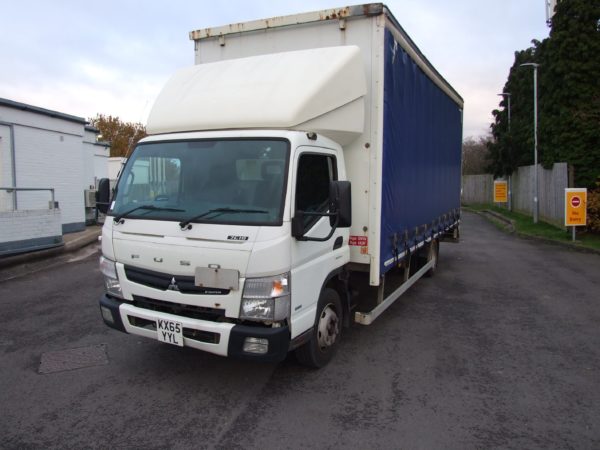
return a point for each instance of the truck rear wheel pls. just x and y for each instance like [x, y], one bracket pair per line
[326, 332]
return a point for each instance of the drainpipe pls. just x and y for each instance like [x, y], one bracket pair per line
[13, 161]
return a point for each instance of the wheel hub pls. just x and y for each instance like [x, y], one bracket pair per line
[328, 329]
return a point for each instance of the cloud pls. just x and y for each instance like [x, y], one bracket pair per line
[128, 99]
[477, 113]
[114, 58]
[98, 74]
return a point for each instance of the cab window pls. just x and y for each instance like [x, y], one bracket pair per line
[315, 171]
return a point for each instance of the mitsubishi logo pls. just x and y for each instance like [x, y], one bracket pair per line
[173, 286]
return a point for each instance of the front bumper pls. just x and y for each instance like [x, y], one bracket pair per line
[225, 339]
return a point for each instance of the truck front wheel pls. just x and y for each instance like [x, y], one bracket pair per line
[319, 350]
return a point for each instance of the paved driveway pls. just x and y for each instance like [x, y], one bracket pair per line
[501, 349]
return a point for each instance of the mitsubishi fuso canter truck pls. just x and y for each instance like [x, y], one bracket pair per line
[298, 178]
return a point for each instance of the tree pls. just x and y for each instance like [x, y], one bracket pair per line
[572, 104]
[568, 98]
[122, 135]
[475, 155]
[511, 148]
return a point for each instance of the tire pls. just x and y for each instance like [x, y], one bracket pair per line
[433, 253]
[327, 331]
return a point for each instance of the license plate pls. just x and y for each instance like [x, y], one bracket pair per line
[170, 332]
[217, 278]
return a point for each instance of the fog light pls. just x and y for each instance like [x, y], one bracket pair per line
[107, 314]
[256, 345]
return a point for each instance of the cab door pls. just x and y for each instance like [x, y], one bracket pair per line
[312, 261]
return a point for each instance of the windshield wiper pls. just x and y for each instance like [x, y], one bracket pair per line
[119, 218]
[217, 212]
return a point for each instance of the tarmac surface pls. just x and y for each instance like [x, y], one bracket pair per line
[500, 349]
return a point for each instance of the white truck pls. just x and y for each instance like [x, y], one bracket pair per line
[297, 178]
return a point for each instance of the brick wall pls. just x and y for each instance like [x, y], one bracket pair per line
[50, 159]
[95, 160]
[28, 230]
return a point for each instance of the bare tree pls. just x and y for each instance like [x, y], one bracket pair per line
[475, 155]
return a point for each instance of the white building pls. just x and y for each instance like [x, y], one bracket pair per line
[44, 149]
[115, 164]
[96, 157]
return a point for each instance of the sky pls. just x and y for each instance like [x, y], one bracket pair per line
[113, 57]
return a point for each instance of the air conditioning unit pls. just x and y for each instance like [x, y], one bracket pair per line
[90, 198]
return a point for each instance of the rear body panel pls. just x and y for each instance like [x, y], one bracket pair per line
[405, 166]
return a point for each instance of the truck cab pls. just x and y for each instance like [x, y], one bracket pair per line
[198, 248]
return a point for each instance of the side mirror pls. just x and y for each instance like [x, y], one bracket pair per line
[340, 203]
[298, 225]
[340, 212]
[103, 195]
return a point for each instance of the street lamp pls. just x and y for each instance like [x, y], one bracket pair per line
[507, 95]
[535, 151]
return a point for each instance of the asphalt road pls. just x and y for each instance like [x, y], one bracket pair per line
[500, 349]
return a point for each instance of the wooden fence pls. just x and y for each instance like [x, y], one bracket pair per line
[477, 189]
[552, 183]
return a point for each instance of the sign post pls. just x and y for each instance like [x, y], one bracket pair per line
[575, 208]
[500, 191]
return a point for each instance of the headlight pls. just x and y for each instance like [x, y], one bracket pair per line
[266, 298]
[111, 279]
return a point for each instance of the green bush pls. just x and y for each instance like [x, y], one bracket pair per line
[593, 209]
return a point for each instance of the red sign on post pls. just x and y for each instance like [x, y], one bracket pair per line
[575, 202]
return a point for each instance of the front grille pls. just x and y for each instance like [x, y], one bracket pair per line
[178, 309]
[164, 281]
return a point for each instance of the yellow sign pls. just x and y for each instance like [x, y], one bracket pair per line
[575, 207]
[500, 191]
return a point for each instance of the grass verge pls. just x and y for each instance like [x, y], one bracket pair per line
[524, 225]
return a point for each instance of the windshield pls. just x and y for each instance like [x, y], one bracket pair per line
[239, 181]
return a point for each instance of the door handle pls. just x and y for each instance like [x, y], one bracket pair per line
[338, 242]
